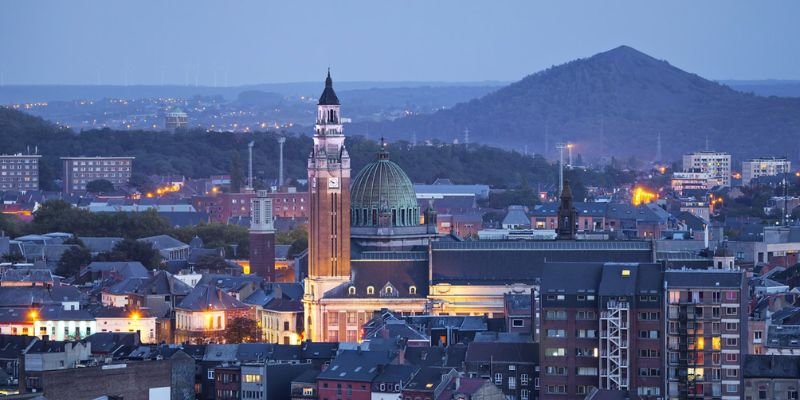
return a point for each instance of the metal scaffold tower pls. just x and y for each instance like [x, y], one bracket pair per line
[614, 350]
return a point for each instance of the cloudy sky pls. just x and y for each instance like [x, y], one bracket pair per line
[242, 42]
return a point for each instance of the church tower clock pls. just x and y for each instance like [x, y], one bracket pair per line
[329, 209]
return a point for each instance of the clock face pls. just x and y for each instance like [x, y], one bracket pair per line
[333, 183]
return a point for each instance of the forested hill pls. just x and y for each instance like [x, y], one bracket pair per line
[199, 153]
[615, 103]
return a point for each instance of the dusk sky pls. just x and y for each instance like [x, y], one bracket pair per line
[243, 42]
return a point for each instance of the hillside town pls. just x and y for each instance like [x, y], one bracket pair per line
[365, 285]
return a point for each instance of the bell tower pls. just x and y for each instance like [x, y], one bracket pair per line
[329, 210]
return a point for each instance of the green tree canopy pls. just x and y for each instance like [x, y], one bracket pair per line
[100, 186]
[72, 261]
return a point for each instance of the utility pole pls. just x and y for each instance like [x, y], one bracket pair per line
[560, 147]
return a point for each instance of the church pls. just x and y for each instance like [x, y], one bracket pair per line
[371, 247]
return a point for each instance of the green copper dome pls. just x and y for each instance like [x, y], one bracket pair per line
[383, 196]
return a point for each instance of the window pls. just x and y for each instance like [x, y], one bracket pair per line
[731, 326]
[649, 353]
[674, 296]
[498, 379]
[586, 333]
[554, 352]
[524, 394]
[523, 379]
[730, 295]
[585, 352]
[556, 315]
[211, 374]
[351, 290]
[556, 389]
[412, 290]
[557, 333]
[649, 316]
[648, 334]
[581, 389]
[307, 391]
[517, 323]
[555, 370]
[757, 335]
[586, 315]
[731, 357]
[286, 325]
[731, 341]
[512, 382]
[731, 373]
[733, 388]
[586, 371]
[370, 290]
[730, 310]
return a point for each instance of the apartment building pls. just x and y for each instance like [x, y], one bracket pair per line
[758, 167]
[19, 172]
[79, 171]
[706, 327]
[716, 164]
[602, 330]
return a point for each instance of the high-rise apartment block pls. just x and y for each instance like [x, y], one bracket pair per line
[705, 324]
[716, 164]
[19, 172]
[759, 167]
[78, 171]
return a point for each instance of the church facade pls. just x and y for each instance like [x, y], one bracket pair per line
[371, 246]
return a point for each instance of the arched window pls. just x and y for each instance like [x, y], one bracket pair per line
[388, 290]
[370, 290]
[403, 216]
[374, 217]
[412, 290]
[351, 290]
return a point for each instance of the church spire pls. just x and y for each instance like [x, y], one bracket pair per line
[567, 215]
[328, 97]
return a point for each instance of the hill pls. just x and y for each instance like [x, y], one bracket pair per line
[614, 103]
[198, 153]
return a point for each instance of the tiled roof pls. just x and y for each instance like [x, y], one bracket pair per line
[208, 297]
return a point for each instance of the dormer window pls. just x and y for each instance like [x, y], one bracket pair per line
[388, 290]
[412, 290]
[351, 290]
[370, 290]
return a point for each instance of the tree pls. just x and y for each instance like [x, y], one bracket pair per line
[100, 186]
[213, 263]
[72, 261]
[297, 238]
[141, 182]
[242, 330]
[133, 250]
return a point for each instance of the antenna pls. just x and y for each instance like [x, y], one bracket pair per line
[281, 141]
[250, 172]
[658, 147]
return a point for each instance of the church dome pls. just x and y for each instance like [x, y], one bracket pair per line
[383, 196]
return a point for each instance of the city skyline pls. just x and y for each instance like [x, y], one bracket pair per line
[212, 44]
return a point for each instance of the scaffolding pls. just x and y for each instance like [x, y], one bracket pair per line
[614, 350]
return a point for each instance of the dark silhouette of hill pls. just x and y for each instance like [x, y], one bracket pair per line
[614, 103]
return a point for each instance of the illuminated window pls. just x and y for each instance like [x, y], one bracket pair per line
[370, 290]
[701, 343]
[716, 343]
[351, 290]
[412, 290]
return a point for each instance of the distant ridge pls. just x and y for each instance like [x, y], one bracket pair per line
[615, 103]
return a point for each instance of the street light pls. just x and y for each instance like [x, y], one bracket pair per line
[560, 147]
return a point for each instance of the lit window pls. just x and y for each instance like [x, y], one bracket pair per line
[370, 290]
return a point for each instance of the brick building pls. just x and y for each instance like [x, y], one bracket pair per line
[262, 237]
[290, 204]
[19, 172]
[601, 330]
[78, 171]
